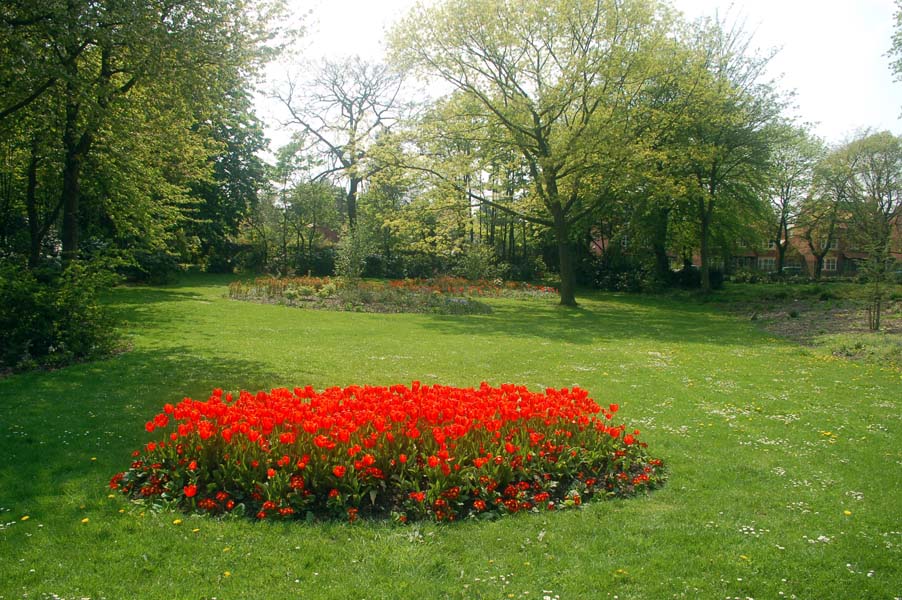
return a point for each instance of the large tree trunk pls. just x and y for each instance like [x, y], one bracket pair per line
[70, 200]
[782, 242]
[703, 252]
[659, 245]
[35, 235]
[76, 147]
[565, 259]
[706, 210]
[781, 256]
[352, 201]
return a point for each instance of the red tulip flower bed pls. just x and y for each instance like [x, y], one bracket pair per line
[415, 452]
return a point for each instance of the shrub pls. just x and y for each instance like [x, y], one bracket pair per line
[746, 276]
[415, 452]
[351, 253]
[152, 266]
[478, 262]
[54, 317]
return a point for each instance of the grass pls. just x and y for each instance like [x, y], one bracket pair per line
[768, 444]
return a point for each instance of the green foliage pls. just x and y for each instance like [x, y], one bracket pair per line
[152, 266]
[53, 318]
[478, 262]
[121, 110]
[350, 256]
[543, 88]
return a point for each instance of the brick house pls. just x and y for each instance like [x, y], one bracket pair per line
[842, 258]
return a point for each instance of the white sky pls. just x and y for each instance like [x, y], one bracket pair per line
[831, 52]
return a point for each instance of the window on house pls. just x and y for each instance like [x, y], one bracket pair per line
[829, 264]
[743, 262]
[834, 244]
[767, 263]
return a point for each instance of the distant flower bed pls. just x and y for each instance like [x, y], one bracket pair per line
[466, 287]
[445, 295]
[417, 452]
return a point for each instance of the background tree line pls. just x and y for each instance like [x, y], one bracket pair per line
[593, 141]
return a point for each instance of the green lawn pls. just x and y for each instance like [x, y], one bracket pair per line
[768, 445]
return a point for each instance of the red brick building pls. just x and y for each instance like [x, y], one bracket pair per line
[842, 258]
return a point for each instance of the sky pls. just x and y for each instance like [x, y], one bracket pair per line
[832, 53]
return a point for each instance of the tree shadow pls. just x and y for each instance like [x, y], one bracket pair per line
[75, 427]
[599, 318]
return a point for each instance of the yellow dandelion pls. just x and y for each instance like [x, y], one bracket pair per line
[25, 518]
[743, 557]
[93, 458]
[227, 574]
[111, 496]
[121, 510]
[85, 520]
[226, 549]
[195, 530]
[177, 522]
[848, 513]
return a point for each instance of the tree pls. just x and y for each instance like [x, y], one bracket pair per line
[820, 214]
[723, 152]
[342, 112]
[552, 81]
[92, 61]
[231, 194]
[793, 161]
[874, 205]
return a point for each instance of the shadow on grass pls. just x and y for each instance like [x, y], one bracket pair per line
[601, 318]
[82, 422]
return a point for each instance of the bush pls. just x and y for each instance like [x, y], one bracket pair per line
[320, 262]
[351, 253]
[478, 262]
[623, 277]
[152, 266]
[380, 266]
[415, 452]
[54, 317]
[746, 276]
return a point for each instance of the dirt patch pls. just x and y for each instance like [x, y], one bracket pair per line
[803, 320]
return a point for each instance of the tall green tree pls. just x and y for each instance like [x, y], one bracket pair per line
[821, 212]
[725, 137]
[94, 61]
[874, 205]
[551, 80]
[795, 155]
[230, 194]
